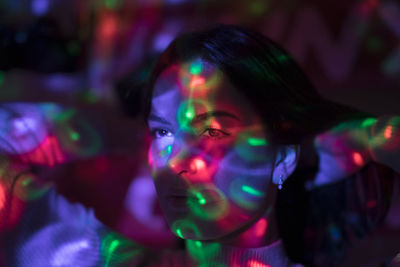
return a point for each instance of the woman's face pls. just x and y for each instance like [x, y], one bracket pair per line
[209, 156]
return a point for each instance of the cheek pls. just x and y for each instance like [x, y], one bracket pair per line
[244, 183]
[159, 152]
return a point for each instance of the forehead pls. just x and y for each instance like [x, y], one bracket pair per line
[190, 77]
[201, 84]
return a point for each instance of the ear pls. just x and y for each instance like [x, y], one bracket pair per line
[284, 167]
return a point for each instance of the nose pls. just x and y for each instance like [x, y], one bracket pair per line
[182, 157]
[187, 159]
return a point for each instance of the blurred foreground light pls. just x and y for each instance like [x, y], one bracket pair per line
[161, 41]
[66, 254]
[1, 77]
[2, 197]
[40, 7]
[176, 2]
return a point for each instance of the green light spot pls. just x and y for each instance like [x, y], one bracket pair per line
[27, 181]
[169, 149]
[257, 8]
[189, 115]
[282, 58]
[368, 122]
[113, 245]
[65, 115]
[179, 233]
[75, 136]
[196, 68]
[166, 152]
[198, 243]
[111, 4]
[257, 142]
[1, 77]
[252, 191]
[110, 251]
[201, 199]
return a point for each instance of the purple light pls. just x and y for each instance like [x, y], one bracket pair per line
[162, 40]
[40, 7]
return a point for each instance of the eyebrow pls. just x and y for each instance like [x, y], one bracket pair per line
[216, 113]
[153, 117]
[199, 118]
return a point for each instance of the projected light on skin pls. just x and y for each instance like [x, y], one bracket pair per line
[209, 155]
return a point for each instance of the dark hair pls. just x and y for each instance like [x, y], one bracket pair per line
[292, 112]
[272, 81]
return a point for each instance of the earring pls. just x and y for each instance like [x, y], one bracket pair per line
[280, 182]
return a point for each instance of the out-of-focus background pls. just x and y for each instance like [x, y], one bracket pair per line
[71, 64]
[350, 49]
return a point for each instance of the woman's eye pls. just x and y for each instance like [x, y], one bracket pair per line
[158, 133]
[214, 133]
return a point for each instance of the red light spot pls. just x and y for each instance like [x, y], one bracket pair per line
[108, 27]
[197, 81]
[255, 263]
[371, 203]
[261, 227]
[388, 132]
[357, 158]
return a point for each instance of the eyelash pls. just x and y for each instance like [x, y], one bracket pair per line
[158, 130]
[209, 130]
[155, 133]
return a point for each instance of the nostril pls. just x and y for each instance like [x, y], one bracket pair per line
[182, 172]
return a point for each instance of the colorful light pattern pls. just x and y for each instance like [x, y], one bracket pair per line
[116, 249]
[252, 191]
[2, 197]
[255, 263]
[202, 251]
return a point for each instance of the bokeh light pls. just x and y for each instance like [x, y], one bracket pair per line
[2, 197]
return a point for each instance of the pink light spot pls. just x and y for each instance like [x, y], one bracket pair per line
[261, 227]
[196, 81]
[150, 158]
[388, 132]
[255, 263]
[357, 158]
[2, 196]
[198, 164]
